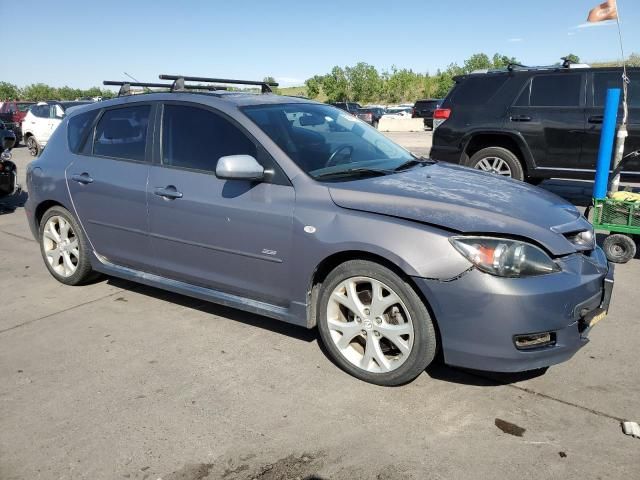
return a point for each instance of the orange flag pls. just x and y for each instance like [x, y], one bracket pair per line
[605, 11]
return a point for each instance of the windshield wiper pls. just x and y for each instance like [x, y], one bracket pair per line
[354, 172]
[414, 161]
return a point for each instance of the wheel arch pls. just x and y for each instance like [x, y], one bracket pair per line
[512, 141]
[43, 207]
[330, 262]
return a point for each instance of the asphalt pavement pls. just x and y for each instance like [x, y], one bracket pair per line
[117, 380]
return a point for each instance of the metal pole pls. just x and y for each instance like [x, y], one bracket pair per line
[622, 134]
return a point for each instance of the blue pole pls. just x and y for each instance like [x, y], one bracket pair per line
[606, 143]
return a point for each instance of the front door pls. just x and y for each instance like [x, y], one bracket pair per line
[600, 82]
[229, 235]
[108, 184]
[550, 116]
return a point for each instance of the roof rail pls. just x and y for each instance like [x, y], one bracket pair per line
[125, 87]
[178, 82]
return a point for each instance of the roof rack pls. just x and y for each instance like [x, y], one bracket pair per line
[125, 87]
[178, 82]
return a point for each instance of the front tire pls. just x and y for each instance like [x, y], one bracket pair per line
[619, 248]
[374, 325]
[497, 160]
[64, 248]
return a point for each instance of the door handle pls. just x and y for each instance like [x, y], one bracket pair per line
[83, 178]
[169, 192]
[596, 119]
[520, 118]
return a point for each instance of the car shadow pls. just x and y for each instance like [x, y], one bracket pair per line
[12, 202]
[266, 323]
[479, 378]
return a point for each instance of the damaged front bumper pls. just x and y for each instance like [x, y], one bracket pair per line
[481, 316]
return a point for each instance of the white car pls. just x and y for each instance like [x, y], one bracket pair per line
[398, 112]
[40, 122]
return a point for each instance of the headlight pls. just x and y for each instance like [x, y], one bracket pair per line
[504, 257]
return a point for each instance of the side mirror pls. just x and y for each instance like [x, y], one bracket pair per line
[239, 167]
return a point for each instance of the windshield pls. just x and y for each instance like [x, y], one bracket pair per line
[324, 140]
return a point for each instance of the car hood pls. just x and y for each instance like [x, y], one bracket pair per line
[468, 201]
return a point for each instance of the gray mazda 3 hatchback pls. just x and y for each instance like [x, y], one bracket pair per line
[298, 211]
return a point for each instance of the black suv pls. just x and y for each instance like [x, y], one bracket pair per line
[533, 123]
[424, 109]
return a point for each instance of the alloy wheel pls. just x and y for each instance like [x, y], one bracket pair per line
[494, 165]
[370, 324]
[61, 247]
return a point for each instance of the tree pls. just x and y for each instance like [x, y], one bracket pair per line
[572, 58]
[364, 82]
[477, 61]
[8, 91]
[336, 86]
[270, 79]
[314, 85]
[38, 91]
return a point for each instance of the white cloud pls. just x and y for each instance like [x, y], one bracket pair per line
[515, 40]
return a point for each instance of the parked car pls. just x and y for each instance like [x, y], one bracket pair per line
[8, 171]
[424, 109]
[371, 115]
[40, 122]
[351, 107]
[12, 113]
[398, 112]
[290, 209]
[533, 123]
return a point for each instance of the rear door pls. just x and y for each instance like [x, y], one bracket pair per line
[108, 180]
[38, 123]
[550, 115]
[229, 235]
[599, 82]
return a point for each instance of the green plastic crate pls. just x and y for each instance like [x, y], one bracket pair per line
[616, 215]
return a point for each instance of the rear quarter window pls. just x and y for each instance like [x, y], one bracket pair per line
[78, 130]
[477, 90]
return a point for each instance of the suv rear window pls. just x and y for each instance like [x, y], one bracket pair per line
[477, 90]
[559, 90]
[122, 133]
[78, 129]
[605, 80]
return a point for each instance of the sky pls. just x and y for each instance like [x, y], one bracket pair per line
[81, 43]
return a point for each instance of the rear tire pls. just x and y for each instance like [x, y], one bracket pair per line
[374, 325]
[619, 248]
[32, 145]
[497, 160]
[64, 248]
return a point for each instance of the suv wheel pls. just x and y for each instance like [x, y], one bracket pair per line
[64, 247]
[32, 145]
[619, 248]
[374, 325]
[499, 161]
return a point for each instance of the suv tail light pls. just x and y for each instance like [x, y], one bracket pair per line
[441, 113]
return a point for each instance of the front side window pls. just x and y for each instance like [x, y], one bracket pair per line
[323, 140]
[196, 138]
[558, 90]
[122, 133]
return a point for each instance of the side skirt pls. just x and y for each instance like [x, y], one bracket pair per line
[295, 315]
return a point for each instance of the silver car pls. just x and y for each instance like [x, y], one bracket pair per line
[298, 211]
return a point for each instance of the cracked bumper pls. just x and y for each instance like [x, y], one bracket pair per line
[478, 314]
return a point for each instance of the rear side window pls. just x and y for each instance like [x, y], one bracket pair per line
[477, 90]
[122, 133]
[78, 129]
[602, 81]
[562, 90]
[195, 138]
[41, 111]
